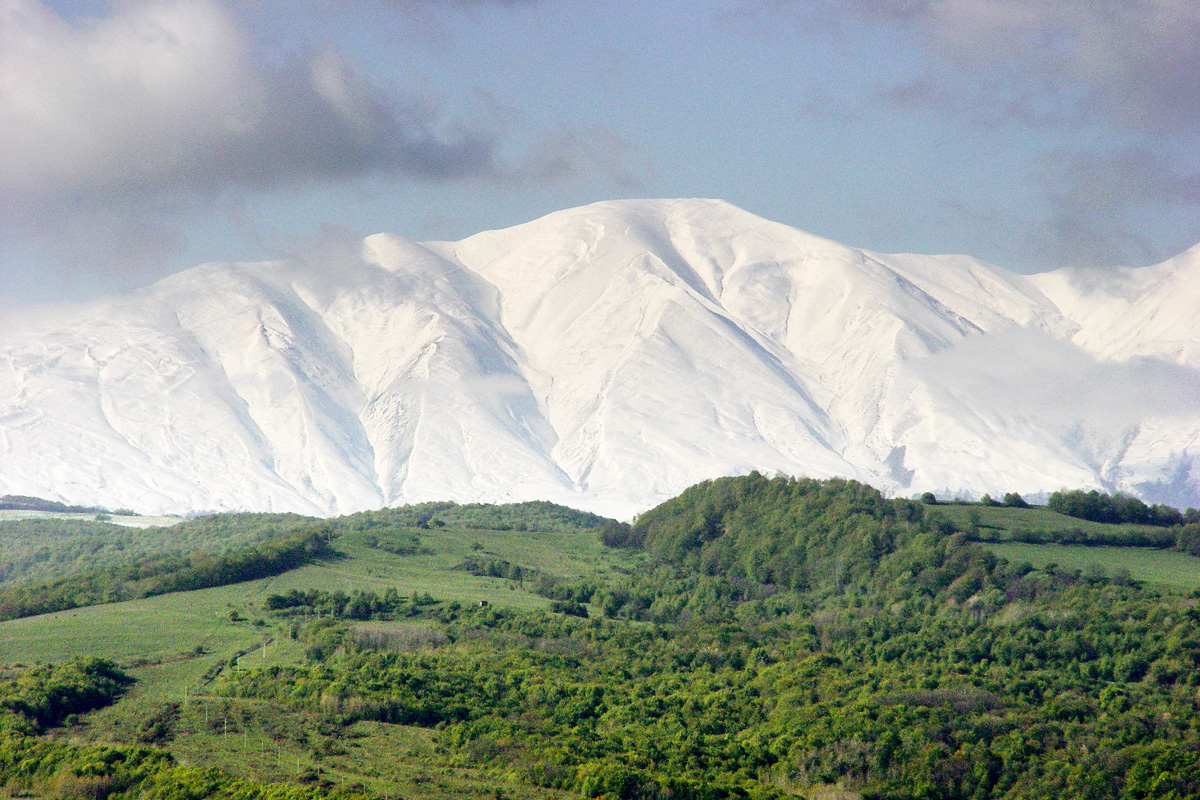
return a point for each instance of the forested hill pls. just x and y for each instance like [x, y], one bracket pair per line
[797, 533]
[798, 638]
[751, 639]
[752, 536]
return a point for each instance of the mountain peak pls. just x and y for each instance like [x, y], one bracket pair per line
[603, 357]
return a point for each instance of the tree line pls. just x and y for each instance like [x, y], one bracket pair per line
[1118, 508]
[287, 550]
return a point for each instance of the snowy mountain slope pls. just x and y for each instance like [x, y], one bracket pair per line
[605, 357]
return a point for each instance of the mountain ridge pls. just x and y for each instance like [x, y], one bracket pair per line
[605, 357]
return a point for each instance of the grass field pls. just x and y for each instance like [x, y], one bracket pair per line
[1005, 521]
[167, 626]
[1159, 567]
[174, 644]
[1001, 525]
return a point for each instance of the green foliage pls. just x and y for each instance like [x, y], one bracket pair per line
[996, 695]
[40, 767]
[1014, 500]
[777, 638]
[1042, 525]
[477, 564]
[339, 605]
[20, 502]
[570, 608]
[1158, 567]
[295, 543]
[1117, 508]
[43, 549]
[534, 515]
[799, 534]
[43, 697]
[619, 534]
[46, 696]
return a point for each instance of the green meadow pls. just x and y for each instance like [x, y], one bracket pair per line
[176, 644]
[1000, 528]
[1007, 522]
[1167, 568]
[168, 626]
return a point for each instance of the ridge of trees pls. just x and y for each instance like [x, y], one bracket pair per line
[289, 548]
[44, 549]
[21, 502]
[1118, 508]
[790, 532]
[533, 515]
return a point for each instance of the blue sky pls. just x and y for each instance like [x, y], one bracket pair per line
[141, 137]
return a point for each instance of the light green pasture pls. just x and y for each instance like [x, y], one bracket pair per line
[1161, 567]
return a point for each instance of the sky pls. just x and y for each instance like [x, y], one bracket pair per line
[142, 137]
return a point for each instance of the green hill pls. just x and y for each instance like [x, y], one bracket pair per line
[751, 638]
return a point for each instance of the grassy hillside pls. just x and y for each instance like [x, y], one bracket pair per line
[752, 638]
[1004, 523]
[1165, 568]
[1035, 535]
[182, 621]
[176, 645]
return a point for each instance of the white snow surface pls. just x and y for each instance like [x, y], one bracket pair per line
[605, 357]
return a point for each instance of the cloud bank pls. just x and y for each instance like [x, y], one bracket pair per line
[1020, 373]
[117, 131]
[170, 95]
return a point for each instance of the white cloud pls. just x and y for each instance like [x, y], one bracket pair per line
[130, 99]
[1020, 373]
[169, 95]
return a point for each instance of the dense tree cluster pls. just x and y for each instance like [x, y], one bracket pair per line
[534, 515]
[1117, 508]
[294, 545]
[340, 605]
[44, 696]
[793, 533]
[43, 549]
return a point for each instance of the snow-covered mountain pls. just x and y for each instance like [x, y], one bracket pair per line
[605, 357]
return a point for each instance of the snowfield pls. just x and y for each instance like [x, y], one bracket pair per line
[605, 357]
